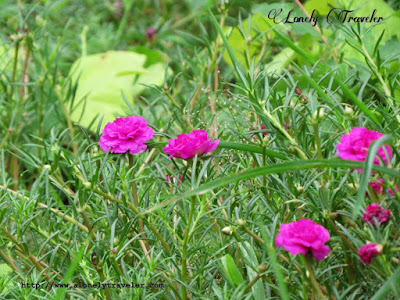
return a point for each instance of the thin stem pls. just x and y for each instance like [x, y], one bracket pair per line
[248, 287]
[344, 238]
[184, 249]
[378, 74]
[10, 262]
[317, 141]
[255, 236]
[308, 259]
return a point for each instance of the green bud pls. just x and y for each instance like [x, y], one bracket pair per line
[262, 268]
[348, 111]
[87, 185]
[299, 189]
[227, 230]
[240, 222]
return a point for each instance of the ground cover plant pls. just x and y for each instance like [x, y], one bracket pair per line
[199, 149]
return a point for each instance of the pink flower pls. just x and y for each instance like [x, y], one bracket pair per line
[368, 252]
[186, 146]
[375, 211]
[262, 128]
[378, 187]
[300, 236]
[355, 145]
[391, 192]
[151, 33]
[174, 178]
[126, 134]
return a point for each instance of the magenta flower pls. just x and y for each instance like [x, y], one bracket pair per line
[126, 134]
[186, 146]
[355, 145]
[151, 33]
[368, 252]
[174, 178]
[378, 187]
[302, 236]
[375, 211]
[262, 128]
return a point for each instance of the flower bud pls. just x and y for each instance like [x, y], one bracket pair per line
[262, 268]
[298, 91]
[227, 230]
[265, 140]
[319, 115]
[240, 222]
[87, 185]
[299, 189]
[348, 111]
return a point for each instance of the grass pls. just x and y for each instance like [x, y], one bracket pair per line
[71, 214]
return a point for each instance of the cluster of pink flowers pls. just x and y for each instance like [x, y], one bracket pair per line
[131, 133]
[355, 146]
[378, 187]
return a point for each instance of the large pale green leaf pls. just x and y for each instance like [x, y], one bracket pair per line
[103, 77]
[280, 61]
[321, 6]
[241, 46]
[4, 271]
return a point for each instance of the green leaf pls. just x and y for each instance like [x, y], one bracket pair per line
[391, 284]
[103, 77]
[5, 270]
[345, 89]
[322, 6]
[250, 257]
[268, 247]
[234, 146]
[231, 270]
[280, 61]
[276, 168]
[240, 45]
[70, 273]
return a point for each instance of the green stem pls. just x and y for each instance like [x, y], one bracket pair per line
[184, 248]
[136, 211]
[255, 236]
[248, 287]
[318, 141]
[308, 260]
[344, 238]
[124, 20]
[378, 74]
[9, 261]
